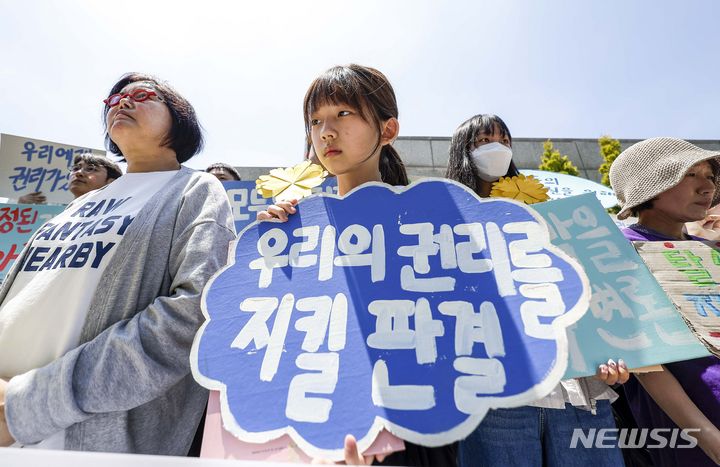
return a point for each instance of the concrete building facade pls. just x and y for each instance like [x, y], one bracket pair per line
[428, 156]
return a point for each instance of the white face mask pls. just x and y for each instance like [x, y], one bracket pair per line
[492, 160]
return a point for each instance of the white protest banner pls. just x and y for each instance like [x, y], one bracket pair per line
[28, 165]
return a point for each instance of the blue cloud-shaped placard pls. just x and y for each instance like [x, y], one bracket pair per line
[415, 309]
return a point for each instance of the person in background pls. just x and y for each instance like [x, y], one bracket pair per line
[224, 172]
[90, 172]
[98, 314]
[481, 153]
[540, 433]
[665, 183]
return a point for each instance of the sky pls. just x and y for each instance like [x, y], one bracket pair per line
[550, 69]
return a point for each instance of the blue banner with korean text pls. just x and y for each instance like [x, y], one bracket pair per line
[413, 309]
[17, 224]
[30, 165]
[246, 201]
[630, 315]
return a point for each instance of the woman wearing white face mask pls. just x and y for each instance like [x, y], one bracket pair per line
[492, 159]
[481, 153]
[540, 433]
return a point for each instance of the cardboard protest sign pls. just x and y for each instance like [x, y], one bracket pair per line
[17, 224]
[28, 165]
[246, 201]
[414, 309]
[630, 315]
[690, 274]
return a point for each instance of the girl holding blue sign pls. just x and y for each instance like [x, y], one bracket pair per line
[351, 118]
[481, 153]
[351, 127]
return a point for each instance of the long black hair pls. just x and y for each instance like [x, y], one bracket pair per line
[369, 92]
[461, 167]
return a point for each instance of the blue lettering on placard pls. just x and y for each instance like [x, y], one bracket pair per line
[417, 309]
[246, 201]
[48, 151]
[39, 179]
[39, 169]
[704, 303]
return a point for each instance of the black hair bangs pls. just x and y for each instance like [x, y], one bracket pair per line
[489, 124]
[338, 86]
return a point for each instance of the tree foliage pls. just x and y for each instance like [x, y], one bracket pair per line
[609, 150]
[553, 161]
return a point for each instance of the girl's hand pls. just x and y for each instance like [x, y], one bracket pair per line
[613, 373]
[278, 211]
[352, 455]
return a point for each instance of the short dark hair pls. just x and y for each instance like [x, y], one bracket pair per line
[635, 210]
[185, 135]
[225, 167]
[113, 170]
[369, 92]
[460, 166]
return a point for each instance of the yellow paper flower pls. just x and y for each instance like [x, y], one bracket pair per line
[523, 188]
[292, 182]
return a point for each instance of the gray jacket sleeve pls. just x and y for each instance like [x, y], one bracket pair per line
[137, 359]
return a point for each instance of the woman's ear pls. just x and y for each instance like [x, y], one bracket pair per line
[390, 131]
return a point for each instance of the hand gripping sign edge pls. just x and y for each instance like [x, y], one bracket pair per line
[555, 369]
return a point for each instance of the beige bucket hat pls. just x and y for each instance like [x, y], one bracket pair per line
[650, 167]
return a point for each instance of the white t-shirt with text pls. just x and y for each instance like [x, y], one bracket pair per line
[42, 316]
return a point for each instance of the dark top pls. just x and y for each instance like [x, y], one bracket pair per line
[700, 378]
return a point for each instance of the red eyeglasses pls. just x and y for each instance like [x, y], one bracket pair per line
[137, 95]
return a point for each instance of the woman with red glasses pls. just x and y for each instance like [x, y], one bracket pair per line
[98, 314]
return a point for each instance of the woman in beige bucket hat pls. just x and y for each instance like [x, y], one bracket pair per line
[667, 182]
[650, 179]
